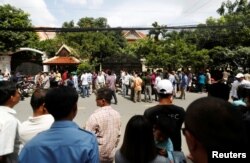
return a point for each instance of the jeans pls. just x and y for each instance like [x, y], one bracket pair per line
[147, 93]
[85, 90]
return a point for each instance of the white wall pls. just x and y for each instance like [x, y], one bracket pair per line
[5, 64]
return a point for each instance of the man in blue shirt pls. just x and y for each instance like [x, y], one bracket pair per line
[64, 142]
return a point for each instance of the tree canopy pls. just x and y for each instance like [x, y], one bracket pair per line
[93, 45]
[12, 40]
[218, 43]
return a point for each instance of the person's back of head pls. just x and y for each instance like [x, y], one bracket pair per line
[138, 143]
[104, 93]
[61, 102]
[109, 72]
[212, 124]
[8, 89]
[37, 98]
[243, 91]
[219, 89]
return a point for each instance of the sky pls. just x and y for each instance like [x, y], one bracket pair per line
[119, 13]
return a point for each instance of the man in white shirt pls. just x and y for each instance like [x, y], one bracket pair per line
[100, 80]
[90, 82]
[75, 81]
[41, 119]
[157, 80]
[46, 81]
[85, 85]
[239, 80]
[126, 82]
[9, 137]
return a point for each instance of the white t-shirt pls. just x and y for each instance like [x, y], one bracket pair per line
[9, 137]
[157, 79]
[34, 125]
[84, 79]
[126, 79]
[100, 79]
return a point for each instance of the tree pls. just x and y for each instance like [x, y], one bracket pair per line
[242, 57]
[94, 45]
[15, 18]
[157, 31]
[220, 57]
[49, 46]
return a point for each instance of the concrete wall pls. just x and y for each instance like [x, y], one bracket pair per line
[5, 63]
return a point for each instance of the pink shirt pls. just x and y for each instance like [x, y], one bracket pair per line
[110, 81]
[105, 123]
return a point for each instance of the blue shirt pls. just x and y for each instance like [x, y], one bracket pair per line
[201, 79]
[64, 142]
[167, 145]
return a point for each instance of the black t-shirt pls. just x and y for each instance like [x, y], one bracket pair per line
[219, 90]
[176, 113]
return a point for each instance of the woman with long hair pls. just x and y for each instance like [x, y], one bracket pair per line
[138, 144]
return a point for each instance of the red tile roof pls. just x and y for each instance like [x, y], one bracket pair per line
[57, 60]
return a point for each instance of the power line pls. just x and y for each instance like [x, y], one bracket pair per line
[78, 29]
[192, 6]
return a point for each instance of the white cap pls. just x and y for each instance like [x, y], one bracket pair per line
[239, 75]
[164, 87]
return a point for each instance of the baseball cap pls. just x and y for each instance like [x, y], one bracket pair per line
[164, 87]
[239, 75]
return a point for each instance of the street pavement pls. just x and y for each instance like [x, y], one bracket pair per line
[125, 107]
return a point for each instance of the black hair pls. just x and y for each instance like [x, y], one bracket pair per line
[104, 93]
[219, 90]
[60, 101]
[243, 91]
[162, 95]
[109, 72]
[7, 89]
[216, 124]
[217, 75]
[138, 144]
[37, 98]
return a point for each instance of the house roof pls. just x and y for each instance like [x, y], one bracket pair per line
[59, 60]
[64, 56]
[66, 50]
[133, 35]
[43, 35]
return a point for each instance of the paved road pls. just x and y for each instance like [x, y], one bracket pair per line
[125, 107]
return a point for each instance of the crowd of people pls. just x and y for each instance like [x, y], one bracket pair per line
[217, 123]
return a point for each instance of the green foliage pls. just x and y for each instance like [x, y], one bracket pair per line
[242, 57]
[15, 18]
[220, 57]
[84, 67]
[50, 46]
[157, 31]
[94, 46]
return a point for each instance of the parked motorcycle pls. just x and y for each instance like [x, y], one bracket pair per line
[26, 88]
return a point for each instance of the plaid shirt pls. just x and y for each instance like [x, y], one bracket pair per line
[105, 123]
